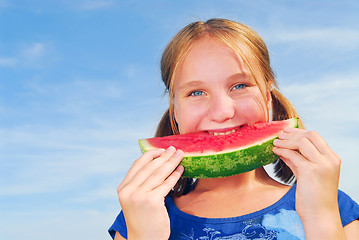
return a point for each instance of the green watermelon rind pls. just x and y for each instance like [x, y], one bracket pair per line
[231, 163]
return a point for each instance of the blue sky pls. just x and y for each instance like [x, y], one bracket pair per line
[80, 83]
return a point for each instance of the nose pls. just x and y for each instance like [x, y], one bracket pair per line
[221, 108]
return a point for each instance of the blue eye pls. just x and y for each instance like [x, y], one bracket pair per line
[196, 93]
[240, 86]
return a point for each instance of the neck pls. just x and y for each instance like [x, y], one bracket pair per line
[244, 181]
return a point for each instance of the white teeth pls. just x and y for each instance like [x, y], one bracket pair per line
[223, 133]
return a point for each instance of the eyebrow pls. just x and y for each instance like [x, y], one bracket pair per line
[194, 83]
[241, 75]
[191, 83]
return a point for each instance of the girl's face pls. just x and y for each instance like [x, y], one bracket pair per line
[214, 91]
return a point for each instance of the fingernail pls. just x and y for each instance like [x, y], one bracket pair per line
[180, 169]
[281, 135]
[287, 129]
[170, 149]
[178, 154]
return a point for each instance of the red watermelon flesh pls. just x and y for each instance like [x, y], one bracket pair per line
[247, 142]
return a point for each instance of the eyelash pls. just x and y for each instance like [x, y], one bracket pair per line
[193, 93]
[242, 85]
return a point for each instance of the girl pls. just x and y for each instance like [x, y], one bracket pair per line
[219, 78]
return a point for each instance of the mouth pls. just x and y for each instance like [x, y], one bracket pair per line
[224, 131]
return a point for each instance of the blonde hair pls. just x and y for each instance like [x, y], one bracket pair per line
[251, 48]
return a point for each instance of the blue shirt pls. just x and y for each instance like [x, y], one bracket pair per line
[278, 221]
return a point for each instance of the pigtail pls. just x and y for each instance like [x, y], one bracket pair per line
[282, 109]
[164, 126]
[183, 186]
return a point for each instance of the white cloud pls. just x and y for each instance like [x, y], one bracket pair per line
[131, 71]
[79, 97]
[38, 159]
[32, 55]
[333, 97]
[57, 222]
[330, 106]
[8, 61]
[34, 51]
[343, 38]
[103, 192]
[3, 4]
[71, 132]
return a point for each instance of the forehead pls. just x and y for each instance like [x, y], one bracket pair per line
[205, 56]
[209, 45]
[208, 57]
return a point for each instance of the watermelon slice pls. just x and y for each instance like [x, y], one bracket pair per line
[209, 155]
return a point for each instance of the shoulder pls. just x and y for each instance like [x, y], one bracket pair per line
[345, 198]
[119, 226]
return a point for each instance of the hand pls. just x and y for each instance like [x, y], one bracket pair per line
[317, 169]
[143, 190]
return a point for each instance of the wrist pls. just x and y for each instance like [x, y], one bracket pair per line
[324, 226]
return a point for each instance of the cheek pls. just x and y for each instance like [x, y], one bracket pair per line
[188, 118]
[254, 109]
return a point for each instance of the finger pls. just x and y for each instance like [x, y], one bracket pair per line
[303, 145]
[170, 182]
[321, 144]
[294, 130]
[292, 158]
[292, 133]
[141, 162]
[292, 167]
[162, 173]
[313, 136]
[142, 174]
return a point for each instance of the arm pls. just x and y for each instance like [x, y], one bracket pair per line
[118, 237]
[317, 169]
[352, 230]
[142, 193]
